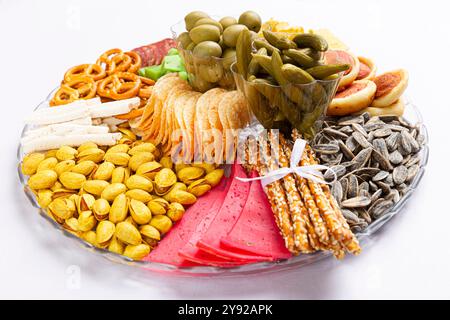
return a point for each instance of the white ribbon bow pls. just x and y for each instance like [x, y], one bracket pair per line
[310, 172]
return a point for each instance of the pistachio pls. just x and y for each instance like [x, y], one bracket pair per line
[46, 164]
[72, 180]
[125, 140]
[139, 182]
[93, 154]
[100, 209]
[87, 145]
[105, 232]
[183, 197]
[213, 178]
[162, 223]
[149, 169]
[150, 235]
[120, 175]
[176, 186]
[199, 187]
[63, 193]
[84, 202]
[175, 211]
[165, 178]
[57, 186]
[71, 224]
[64, 166]
[179, 166]
[121, 148]
[117, 158]
[143, 147]
[104, 171]
[51, 154]
[127, 133]
[140, 212]
[208, 167]
[66, 153]
[31, 162]
[62, 209]
[44, 198]
[119, 209]
[137, 252]
[190, 174]
[140, 158]
[158, 206]
[139, 195]
[113, 190]
[166, 162]
[130, 219]
[84, 167]
[86, 221]
[116, 246]
[128, 233]
[95, 187]
[44, 179]
[90, 237]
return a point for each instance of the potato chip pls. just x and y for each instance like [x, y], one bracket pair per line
[178, 130]
[189, 120]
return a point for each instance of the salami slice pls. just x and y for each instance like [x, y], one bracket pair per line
[154, 53]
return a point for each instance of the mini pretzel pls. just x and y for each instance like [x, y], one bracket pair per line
[80, 87]
[106, 57]
[64, 95]
[91, 70]
[119, 86]
[146, 89]
[136, 61]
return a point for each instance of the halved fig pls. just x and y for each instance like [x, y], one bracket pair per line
[357, 96]
[390, 87]
[367, 69]
[344, 57]
[395, 109]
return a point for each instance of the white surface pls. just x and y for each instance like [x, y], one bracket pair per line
[409, 258]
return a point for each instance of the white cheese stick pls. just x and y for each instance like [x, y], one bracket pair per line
[58, 117]
[87, 121]
[63, 129]
[114, 108]
[70, 106]
[55, 142]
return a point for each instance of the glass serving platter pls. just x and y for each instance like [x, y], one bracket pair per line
[411, 113]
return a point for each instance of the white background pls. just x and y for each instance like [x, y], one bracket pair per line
[39, 40]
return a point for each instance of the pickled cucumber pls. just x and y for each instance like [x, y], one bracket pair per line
[322, 72]
[308, 40]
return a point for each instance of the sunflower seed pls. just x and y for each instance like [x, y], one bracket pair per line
[384, 187]
[336, 190]
[405, 141]
[370, 126]
[394, 195]
[400, 174]
[381, 208]
[380, 146]
[350, 216]
[356, 202]
[395, 157]
[352, 190]
[389, 180]
[346, 130]
[365, 215]
[326, 148]
[373, 186]
[412, 161]
[338, 170]
[349, 120]
[381, 133]
[380, 176]
[335, 133]
[358, 128]
[382, 161]
[361, 158]
[376, 195]
[344, 185]
[351, 143]
[346, 151]
[361, 140]
[392, 141]
[412, 172]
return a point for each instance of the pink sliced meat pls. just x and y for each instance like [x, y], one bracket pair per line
[224, 221]
[154, 53]
[256, 232]
[179, 235]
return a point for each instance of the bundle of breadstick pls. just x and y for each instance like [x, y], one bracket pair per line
[306, 213]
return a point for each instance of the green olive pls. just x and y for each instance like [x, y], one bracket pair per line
[208, 49]
[227, 21]
[229, 56]
[184, 39]
[191, 46]
[231, 34]
[205, 32]
[209, 21]
[251, 19]
[192, 18]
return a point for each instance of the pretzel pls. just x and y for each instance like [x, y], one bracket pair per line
[119, 86]
[80, 87]
[146, 89]
[136, 61]
[115, 60]
[105, 60]
[91, 70]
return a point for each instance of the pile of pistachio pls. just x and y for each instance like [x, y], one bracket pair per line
[122, 198]
[281, 77]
